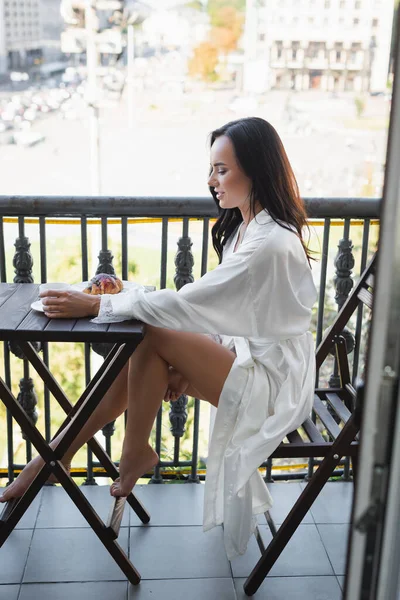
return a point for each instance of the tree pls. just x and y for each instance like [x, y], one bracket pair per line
[227, 29]
[204, 62]
[227, 25]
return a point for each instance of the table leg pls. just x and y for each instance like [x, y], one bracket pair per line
[46, 376]
[53, 458]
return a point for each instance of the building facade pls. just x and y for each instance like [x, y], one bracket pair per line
[333, 45]
[29, 33]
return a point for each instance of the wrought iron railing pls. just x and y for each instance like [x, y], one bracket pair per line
[358, 216]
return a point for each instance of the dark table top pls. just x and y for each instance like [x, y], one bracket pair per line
[19, 322]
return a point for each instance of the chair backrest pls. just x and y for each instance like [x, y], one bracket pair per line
[362, 292]
[332, 407]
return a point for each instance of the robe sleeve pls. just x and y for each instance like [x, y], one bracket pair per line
[220, 302]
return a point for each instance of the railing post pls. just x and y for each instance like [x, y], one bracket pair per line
[27, 398]
[105, 266]
[23, 260]
[184, 262]
[23, 263]
[344, 263]
[105, 262]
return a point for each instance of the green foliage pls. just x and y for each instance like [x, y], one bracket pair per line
[195, 4]
[214, 8]
[359, 103]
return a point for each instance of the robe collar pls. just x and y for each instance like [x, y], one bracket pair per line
[261, 218]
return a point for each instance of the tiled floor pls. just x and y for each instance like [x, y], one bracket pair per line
[54, 555]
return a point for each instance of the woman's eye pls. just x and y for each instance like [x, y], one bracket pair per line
[221, 172]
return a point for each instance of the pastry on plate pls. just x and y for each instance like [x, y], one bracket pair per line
[104, 283]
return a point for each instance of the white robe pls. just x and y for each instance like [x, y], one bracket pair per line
[259, 300]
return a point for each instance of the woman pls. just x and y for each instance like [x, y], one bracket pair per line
[257, 362]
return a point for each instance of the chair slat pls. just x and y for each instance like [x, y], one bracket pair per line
[338, 406]
[366, 297]
[294, 437]
[326, 417]
[370, 280]
[312, 432]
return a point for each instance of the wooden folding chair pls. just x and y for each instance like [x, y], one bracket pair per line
[341, 421]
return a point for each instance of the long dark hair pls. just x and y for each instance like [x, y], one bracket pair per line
[260, 153]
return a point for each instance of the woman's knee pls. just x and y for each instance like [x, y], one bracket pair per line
[153, 335]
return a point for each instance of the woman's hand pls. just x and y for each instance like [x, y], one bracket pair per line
[67, 304]
[177, 385]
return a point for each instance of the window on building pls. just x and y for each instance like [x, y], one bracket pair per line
[279, 49]
[342, 4]
[375, 22]
[261, 37]
[310, 20]
[356, 22]
[357, 4]
[294, 49]
[338, 51]
[316, 50]
[327, 3]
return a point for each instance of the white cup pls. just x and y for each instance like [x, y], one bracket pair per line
[44, 287]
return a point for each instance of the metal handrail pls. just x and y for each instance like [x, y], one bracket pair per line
[153, 206]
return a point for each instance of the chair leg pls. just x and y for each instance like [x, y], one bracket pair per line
[299, 510]
[354, 467]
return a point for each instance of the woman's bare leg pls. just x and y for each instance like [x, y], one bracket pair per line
[111, 406]
[204, 363]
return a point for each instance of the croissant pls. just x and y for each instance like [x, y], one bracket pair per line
[104, 283]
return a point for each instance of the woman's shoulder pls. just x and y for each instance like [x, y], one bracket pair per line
[280, 240]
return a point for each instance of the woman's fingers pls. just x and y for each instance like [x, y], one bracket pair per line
[67, 304]
[171, 396]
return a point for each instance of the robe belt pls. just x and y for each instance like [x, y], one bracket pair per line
[243, 354]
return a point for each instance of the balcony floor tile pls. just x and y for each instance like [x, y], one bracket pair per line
[294, 588]
[334, 502]
[182, 504]
[178, 552]
[29, 519]
[284, 497]
[334, 538]
[304, 555]
[57, 509]
[13, 556]
[93, 590]
[189, 589]
[9, 592]
[71, 555]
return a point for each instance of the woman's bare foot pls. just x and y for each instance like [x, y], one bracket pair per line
[53, 478]
[18, 487]
[133, 466]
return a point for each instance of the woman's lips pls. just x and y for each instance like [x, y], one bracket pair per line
[219, 195]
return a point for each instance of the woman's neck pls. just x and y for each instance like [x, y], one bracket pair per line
[249, 216]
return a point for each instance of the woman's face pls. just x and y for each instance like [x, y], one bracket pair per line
[230, 183]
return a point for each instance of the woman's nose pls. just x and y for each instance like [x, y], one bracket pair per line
[211, 181]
